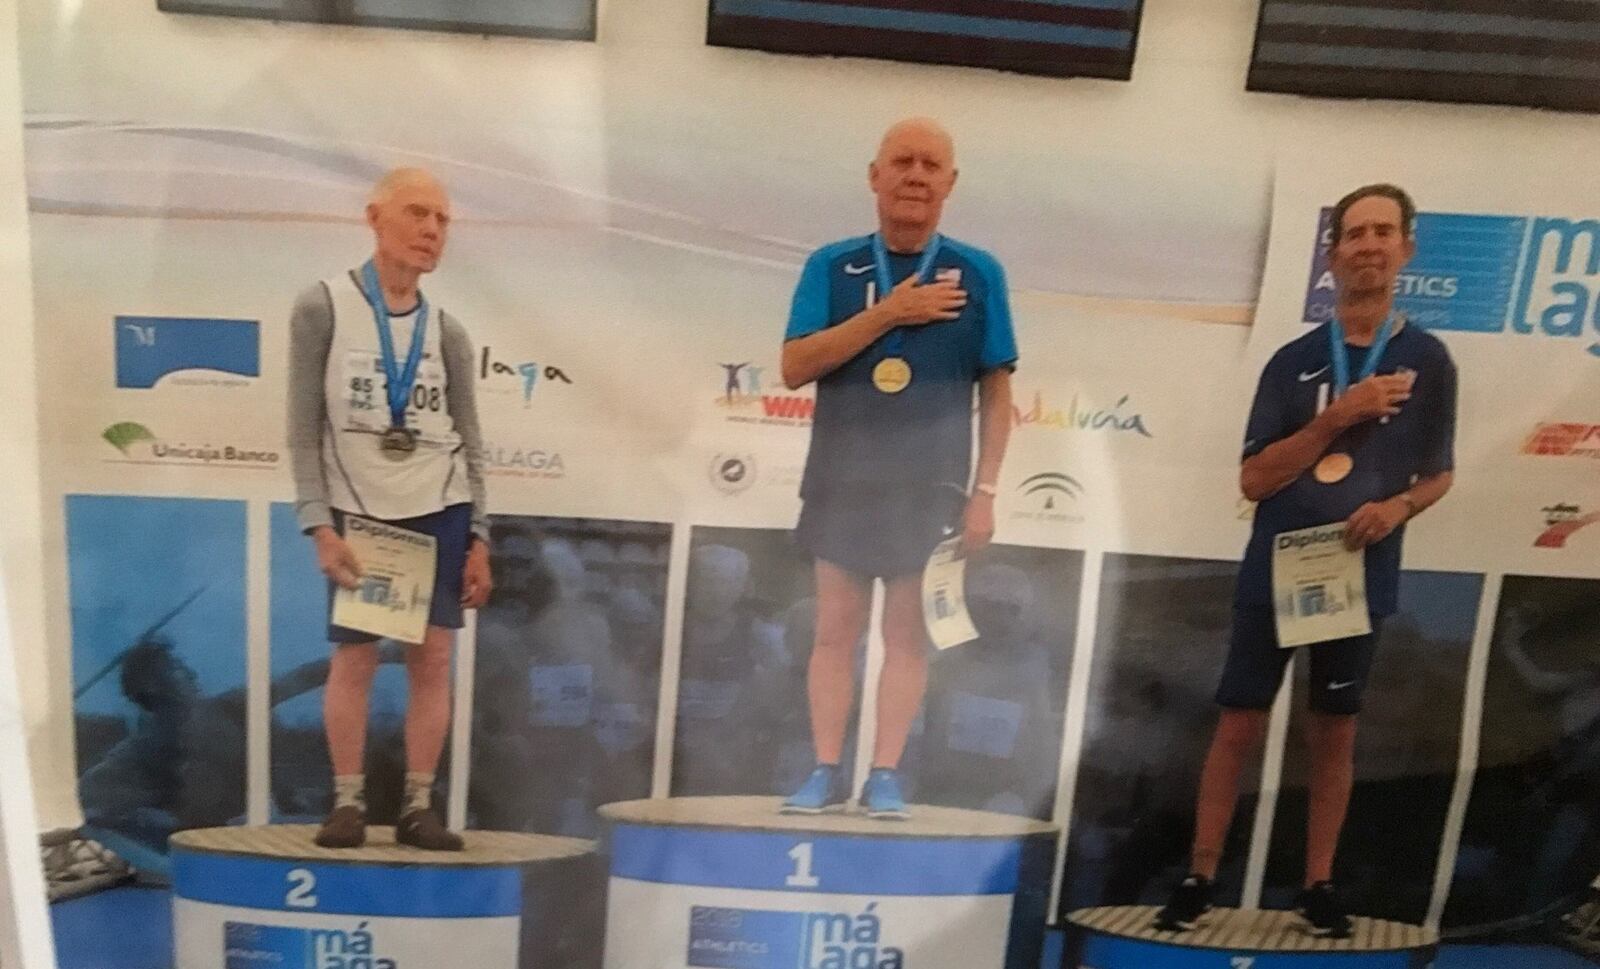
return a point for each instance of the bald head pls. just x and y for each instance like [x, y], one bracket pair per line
[912, 175]
[395, 179]
[918, 131]
[409, 213]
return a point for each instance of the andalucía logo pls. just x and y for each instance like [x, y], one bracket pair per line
[523, 462]
[520, 378]
[250, 946]
[150, 347]
[733, 473]
[1561, 521]
[746, 938]
[1564, 440]
[1047, 495]
[1535, 276]
[137, 444]
[1080, 415]
[747, 399]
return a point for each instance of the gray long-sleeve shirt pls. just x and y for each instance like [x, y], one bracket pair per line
[311, 330]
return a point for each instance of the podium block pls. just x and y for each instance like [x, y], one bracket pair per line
[269, 898]
[729, 883]
[1124, 937]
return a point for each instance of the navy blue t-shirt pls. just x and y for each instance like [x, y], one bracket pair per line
[1389, 455]
[923, 434]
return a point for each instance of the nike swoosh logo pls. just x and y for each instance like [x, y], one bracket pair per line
[1313, 375]
[854, 270]
[1340, 686]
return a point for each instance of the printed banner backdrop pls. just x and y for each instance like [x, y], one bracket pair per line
[1161, 637]
[158, 633]
[568, 672]
[623, 254]
[1530, 840]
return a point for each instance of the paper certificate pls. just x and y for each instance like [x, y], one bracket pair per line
[1319, 587]
[944, 600]
[396, 589]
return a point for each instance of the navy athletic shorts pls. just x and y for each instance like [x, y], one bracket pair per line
[1255, 665]
[452, 530]
[878, 530]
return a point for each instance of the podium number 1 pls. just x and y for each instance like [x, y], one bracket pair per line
[802, 877]
[302, 886]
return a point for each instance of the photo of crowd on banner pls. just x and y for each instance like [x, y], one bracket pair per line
[883, 659]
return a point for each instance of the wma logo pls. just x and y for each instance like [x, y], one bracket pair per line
[1536, 275]
[745, 396]
[151, 347]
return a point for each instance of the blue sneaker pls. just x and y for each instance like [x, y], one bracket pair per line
[881, 796]
[823, 791]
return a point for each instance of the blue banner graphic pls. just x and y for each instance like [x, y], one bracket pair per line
[150, 347]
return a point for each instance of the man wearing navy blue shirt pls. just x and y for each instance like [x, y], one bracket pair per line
[1353, 422]
[896, 328]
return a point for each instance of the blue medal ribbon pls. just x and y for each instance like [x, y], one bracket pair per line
[895, 346]
[1341, 354]
[399, 381]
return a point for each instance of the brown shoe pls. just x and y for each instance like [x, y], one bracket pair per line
[346, 827]
[423, 829]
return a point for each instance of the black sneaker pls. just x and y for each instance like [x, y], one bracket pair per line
[1323, 911]
[1189, 901]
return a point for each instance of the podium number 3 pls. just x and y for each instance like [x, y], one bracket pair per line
[302, 886]
[802, 877]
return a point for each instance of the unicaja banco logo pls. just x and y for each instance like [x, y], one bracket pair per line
[1535, 276]
[125, 436]
[138, 444]
[149, 348]
[738, 938]
[749, 397]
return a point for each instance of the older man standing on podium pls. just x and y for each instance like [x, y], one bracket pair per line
[383, 424]
[896, 328]
[1352, 434]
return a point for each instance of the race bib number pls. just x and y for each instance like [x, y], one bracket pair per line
[366, 397]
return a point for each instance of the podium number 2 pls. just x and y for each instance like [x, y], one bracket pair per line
[802, 877]
[302, 885]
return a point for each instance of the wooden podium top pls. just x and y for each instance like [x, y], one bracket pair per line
[1253, 930]
[293, 841]
[761, 814]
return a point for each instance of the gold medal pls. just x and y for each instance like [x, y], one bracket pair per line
[1334, 467]
[892, 375]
